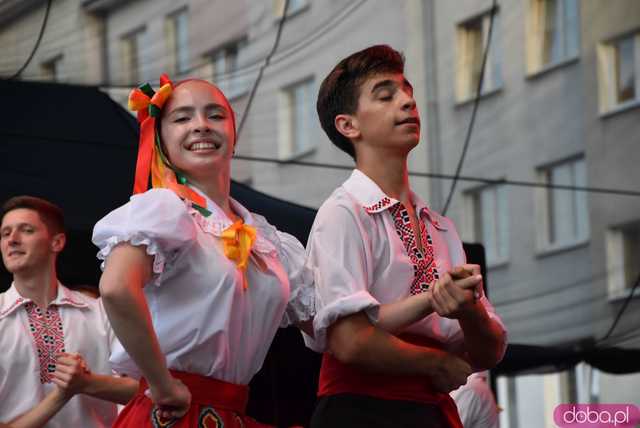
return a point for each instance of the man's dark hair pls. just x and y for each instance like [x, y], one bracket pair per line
[50, 214]
[340, 90]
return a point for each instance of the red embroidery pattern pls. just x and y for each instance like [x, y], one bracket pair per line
[46, 328]
[424, 267]
[378, 205]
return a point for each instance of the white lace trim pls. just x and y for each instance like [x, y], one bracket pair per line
[301, 307]
[136, 239]
[266, 240]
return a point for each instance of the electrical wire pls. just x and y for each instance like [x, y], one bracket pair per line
[38, 40]
[476, 103]
[600, 190]
[247, 109]
[500, 181]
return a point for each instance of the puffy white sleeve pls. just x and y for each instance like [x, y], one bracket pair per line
[301, 305]
[157, 219]
[338, 257]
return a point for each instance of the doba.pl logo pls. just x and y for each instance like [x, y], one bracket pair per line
[596, 415]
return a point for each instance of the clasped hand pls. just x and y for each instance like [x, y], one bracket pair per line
[456, 292]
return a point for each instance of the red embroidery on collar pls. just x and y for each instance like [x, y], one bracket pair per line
[382, 203]
[13, 305]
[424, 266]
[46, 328]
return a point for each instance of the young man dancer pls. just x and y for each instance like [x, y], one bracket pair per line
[56, 341]
[401, 317]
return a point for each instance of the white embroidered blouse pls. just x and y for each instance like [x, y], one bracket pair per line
[206, 322]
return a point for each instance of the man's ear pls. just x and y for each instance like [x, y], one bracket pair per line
[347, 125]
[58, 242]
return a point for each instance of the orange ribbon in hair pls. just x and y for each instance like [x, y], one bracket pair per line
[151, 162]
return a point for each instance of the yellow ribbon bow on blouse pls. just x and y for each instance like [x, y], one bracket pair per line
[237, 241]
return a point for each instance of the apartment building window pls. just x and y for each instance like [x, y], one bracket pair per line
[491, 222]
[50, 69]
[623, 264]
[132, 57]
[619, 72]
[295, 6]
[297, 118]
[553, 33]
[472, 37]
[565, 220]
[177, 34]
[224, 65]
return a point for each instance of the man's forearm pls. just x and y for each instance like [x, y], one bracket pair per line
[112, 388]
[356, 341]
[394, 317]
[483, 338]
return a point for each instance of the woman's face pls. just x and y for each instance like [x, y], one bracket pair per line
[197, 129]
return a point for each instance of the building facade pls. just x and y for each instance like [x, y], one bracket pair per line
[559, 106]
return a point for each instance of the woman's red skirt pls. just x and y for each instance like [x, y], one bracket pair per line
[214, 404]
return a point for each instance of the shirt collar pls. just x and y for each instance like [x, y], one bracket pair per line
[13, 300]
[218, 216]
[367, 193]
[218, 221]
[68, 297]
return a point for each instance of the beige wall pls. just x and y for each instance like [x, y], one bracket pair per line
[69, 33]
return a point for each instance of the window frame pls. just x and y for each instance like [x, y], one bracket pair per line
[607, 77]
[228, 81]
[179, 59]
[475, 219]
[287, 149]
[278, 8]
[535, 37]
[50, 68]
[619, 279]
[545, 210]
[468, 71]
[131, 56]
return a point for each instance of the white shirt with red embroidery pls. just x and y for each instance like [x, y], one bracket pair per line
[363, 253]
[206, 322]
[30, 338]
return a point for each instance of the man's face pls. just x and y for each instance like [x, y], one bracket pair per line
[25, 241]
[387, 115]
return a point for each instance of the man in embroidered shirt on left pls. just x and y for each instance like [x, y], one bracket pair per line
[55, 342]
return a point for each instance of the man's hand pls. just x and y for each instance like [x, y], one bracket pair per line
[456, 291]
[173, 400]
[449, 373]
[72, 374]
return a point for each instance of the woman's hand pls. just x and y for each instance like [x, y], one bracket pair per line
[72, 374]
[173, 400]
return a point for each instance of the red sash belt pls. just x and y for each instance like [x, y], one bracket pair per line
[339, 378]
[208, 391]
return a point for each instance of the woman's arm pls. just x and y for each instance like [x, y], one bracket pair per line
[128, 268]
